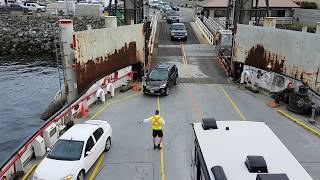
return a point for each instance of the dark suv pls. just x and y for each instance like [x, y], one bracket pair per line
[172, 17]
[160, 79]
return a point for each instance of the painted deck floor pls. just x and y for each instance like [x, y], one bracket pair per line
[203, 91]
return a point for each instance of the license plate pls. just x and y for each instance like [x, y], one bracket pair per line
[152, 91]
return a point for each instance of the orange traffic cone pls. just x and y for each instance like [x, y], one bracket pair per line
[83, 111]
[273, 104]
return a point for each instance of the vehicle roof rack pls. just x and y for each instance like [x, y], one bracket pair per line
[218, 173]
[256, 164]
[272, 177]
[209, 123]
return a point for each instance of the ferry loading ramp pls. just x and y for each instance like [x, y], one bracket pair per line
[203, 91]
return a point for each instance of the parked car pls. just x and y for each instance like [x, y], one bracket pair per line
[172, 17]
[160, 79]
[154, 4]
[174, 7]
[35, 7]
[75, 152]
[178, 31]
[14, 8]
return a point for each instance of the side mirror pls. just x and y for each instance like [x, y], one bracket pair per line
[88, 153]
[48, 149]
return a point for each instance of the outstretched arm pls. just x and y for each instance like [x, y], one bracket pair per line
[163, 122]
[146, 120]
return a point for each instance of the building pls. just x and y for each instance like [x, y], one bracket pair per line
[278, 8]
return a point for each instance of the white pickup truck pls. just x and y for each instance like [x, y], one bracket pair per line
[35, 7]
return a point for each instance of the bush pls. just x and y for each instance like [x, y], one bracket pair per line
[309, 5]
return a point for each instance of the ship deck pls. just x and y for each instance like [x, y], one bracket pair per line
[203, 91]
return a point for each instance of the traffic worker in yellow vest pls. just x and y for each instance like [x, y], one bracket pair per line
[157, 122]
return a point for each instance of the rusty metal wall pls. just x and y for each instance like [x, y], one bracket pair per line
[101, 52]
[296, 54]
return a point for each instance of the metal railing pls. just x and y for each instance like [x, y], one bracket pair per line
[204, 30]
[212, 25]
[57, 118]
[223, 61]
[153, 26]
[279, 20]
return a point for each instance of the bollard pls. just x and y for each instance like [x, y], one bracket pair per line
[313, 116]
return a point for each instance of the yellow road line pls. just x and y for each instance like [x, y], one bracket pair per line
[163, 177]
[312, 130]
[184, 61]
[96, 168]
[113, 102]
[26, 176]
[233, 103]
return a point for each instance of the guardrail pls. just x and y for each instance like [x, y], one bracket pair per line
[223, 61]
[212, 25]
[204, 30]
[9, 169]
[222, 21]
[279, 20]
[153, 25]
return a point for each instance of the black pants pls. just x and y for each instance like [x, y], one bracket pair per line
[156, 133]
[283, 96]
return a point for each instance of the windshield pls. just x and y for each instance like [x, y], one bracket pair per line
[68, 150]
[158, 75]
[172, 14]
[178, 27]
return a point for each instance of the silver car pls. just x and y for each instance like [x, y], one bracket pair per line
[178, 31]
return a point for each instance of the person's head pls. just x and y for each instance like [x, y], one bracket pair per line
[290, 85]
[157, 112]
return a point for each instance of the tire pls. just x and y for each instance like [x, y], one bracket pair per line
[167, 91]
[81, 175]
[172, 38]
[108, 145]
[185, 39]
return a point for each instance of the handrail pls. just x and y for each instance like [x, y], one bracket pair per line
[55, 118]
[205, 31]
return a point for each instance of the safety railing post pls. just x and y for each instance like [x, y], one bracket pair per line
[313, 115]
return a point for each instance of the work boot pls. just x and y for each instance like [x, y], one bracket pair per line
[154, 146]
[159, 147]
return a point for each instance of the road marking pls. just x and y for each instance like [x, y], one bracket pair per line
[233, 103]
[96, 168]
[112, 102]
[26, 176]
[187, 74]
[312, 130]
[163, 177]
[184, 61]
[195, 105]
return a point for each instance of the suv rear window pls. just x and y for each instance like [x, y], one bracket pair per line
[178, 27]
